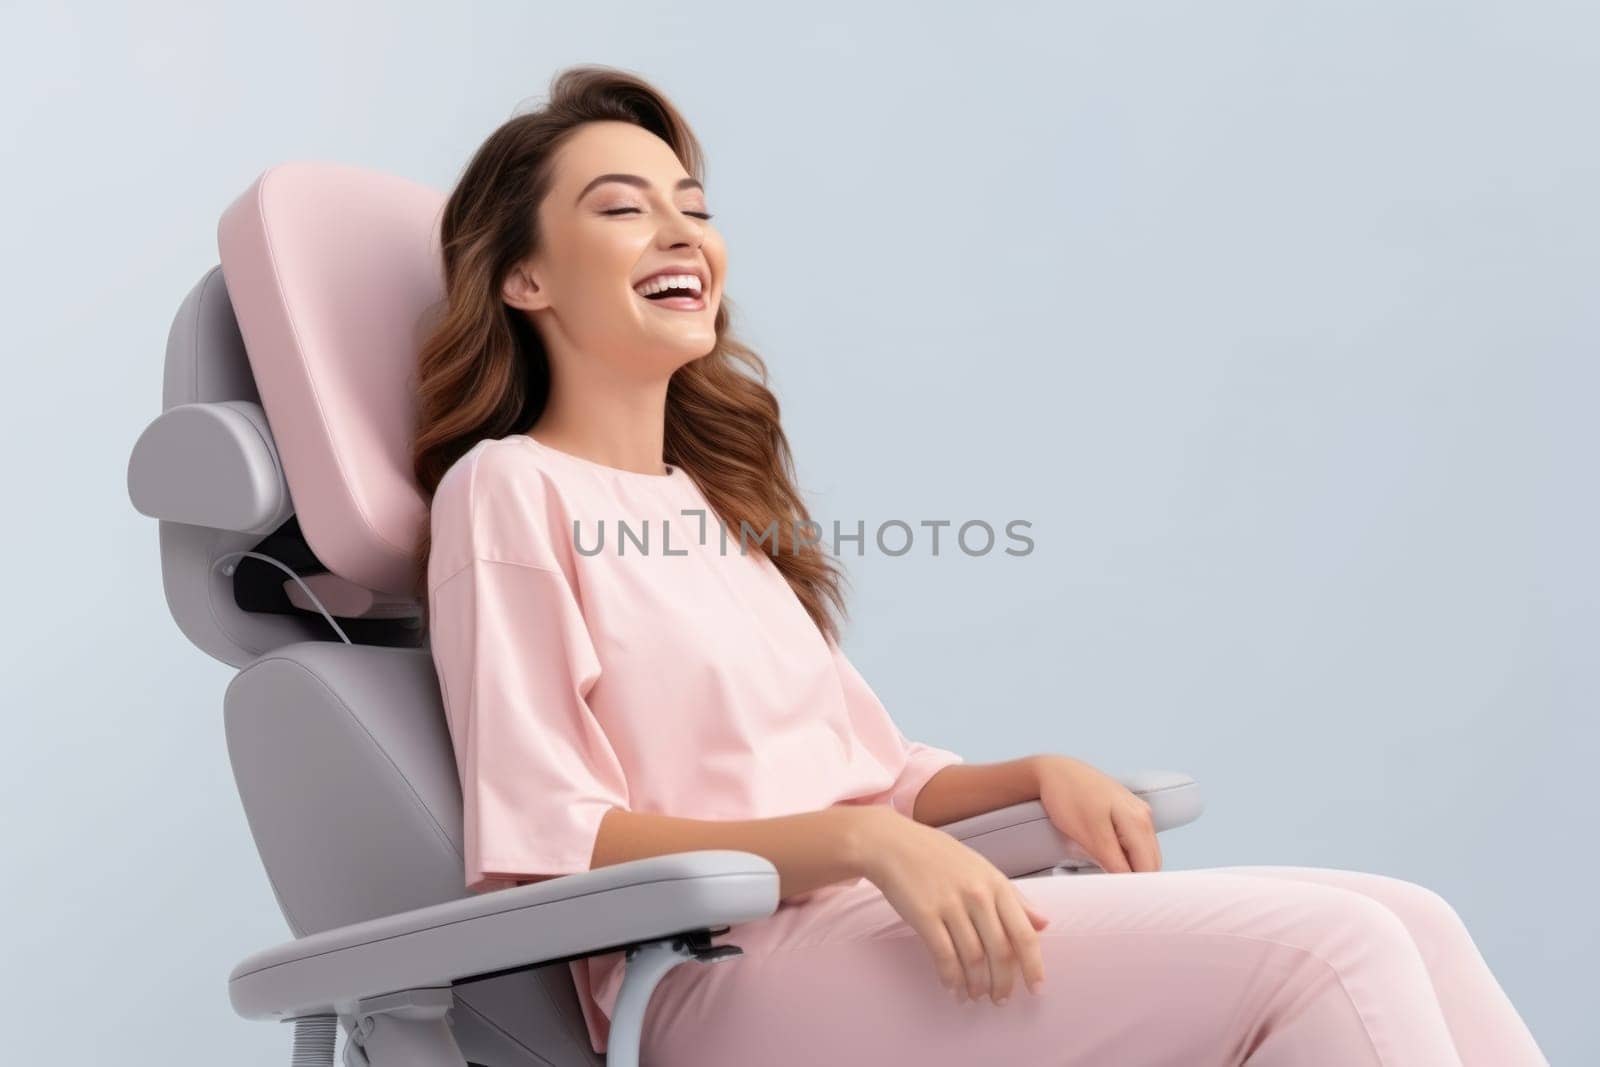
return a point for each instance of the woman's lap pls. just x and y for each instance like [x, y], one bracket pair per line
[1173, 966]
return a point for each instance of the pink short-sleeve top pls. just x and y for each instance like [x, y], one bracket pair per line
[601, 641]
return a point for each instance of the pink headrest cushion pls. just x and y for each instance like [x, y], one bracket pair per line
[331, 270]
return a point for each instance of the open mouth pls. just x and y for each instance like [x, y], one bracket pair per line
[673, 291]
[676, 298]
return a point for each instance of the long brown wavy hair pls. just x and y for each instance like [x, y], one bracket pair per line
[483, 371]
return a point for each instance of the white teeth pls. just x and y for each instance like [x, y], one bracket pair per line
[668, 281]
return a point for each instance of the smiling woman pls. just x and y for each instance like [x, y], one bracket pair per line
[606, 708]
[578, 249]
[585, 316]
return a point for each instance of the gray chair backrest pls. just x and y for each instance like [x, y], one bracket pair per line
[340, 751]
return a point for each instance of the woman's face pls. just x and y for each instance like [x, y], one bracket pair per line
[602, 237]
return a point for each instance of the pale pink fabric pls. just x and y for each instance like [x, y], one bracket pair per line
[1267, 966]
[691, 684]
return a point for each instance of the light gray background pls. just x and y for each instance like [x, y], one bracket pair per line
[1278, 321]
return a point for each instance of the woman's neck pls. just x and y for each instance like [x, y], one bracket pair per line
[624, 431]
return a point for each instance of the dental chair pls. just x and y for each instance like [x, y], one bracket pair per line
[279, 469]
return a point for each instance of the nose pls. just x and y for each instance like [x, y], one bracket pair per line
[681, 229]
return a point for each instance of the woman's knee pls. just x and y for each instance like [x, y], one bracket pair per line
[1373, 917]
[1333, 923]
[1423, 910]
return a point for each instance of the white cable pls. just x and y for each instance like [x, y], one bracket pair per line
[285, 567]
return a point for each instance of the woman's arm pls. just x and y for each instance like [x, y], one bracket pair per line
[1087, 805]
[810, 849]
[816, 848]
[966, 789]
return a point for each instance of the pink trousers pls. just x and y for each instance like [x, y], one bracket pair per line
[1229, 965]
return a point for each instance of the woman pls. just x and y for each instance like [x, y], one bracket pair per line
[623, 681]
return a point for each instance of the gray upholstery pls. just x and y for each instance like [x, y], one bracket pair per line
[206, 364]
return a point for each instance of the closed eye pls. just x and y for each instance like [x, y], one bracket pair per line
[621, 210]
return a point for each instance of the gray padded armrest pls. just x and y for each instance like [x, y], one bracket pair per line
[1021, 839]
[573, 915]
[602, 910]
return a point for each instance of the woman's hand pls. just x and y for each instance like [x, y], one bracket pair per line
[977, 924]
[1108, 819]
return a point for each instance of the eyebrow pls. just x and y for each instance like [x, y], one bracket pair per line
[636, 181]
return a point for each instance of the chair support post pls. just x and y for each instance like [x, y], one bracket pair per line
[645, 965]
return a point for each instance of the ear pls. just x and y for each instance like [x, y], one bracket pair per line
[521, 291]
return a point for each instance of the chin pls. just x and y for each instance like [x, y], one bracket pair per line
[684, 346]
[683, 356]
[664, 359]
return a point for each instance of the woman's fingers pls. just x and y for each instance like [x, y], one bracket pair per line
[985, 951]
[984, 909]
[1022, 923]
[946, 958]
[1105, 846]
[1136, 832]
[969, 947]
